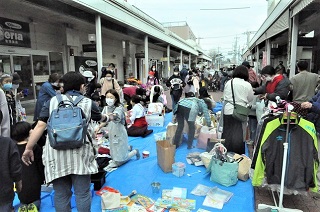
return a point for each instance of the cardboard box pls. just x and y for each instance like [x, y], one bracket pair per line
[178, 169]
[155, 120]
[165, 155]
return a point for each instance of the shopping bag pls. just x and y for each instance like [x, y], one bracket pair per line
[155, 108]
[21, 112]
[206, 158]
[165, 155]
[244, 166]
[110, 200]
[224, 173]
[260, 108]
[171, 131]
[204, 135]
[197, 129]
[198, 125]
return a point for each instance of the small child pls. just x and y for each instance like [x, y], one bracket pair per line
[32, 175]
[6, 85]
[10, 172]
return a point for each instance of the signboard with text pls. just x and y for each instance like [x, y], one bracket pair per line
[14, 33]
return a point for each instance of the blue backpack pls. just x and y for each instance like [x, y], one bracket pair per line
[67, 125]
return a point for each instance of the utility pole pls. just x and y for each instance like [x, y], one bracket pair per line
[235, 50]
[248, 33]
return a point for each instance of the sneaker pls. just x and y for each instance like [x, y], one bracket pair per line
[32, 208]
[137, 154]
[23, 208]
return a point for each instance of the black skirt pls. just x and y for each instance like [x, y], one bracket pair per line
[233, 135]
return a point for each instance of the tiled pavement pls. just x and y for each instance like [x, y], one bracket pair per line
[262, 195]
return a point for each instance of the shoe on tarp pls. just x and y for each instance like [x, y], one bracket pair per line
[32, 207]
[23, 208]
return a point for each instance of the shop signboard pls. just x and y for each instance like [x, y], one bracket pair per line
[85, 64]
[89, 47]
[14, 33]
[139, 55]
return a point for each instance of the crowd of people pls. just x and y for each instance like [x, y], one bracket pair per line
[28, 160]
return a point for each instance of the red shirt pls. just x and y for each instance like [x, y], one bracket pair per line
[271, 86]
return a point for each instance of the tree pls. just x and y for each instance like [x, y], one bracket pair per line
[213, 54]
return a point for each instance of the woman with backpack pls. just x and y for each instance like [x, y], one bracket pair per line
[68, 167]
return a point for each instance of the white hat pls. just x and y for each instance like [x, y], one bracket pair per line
[88, 74]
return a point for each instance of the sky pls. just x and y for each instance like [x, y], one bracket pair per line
[217, 28]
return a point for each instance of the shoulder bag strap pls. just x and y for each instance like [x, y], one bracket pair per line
[234, 102]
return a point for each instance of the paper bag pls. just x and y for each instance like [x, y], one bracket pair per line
[171, 131]
[165, 154]
[244, 167]
[110, 200]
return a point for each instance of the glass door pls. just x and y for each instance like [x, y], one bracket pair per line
[40, 70]
[5, 65]
[23, 66]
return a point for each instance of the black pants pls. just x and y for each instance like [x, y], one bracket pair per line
[181, 115]
[233, 133]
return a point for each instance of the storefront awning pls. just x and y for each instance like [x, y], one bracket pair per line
[300, 6]
[205, 57]
[281, 24]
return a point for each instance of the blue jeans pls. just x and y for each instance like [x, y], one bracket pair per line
[253, 122]
[81, 185]
[173, 102]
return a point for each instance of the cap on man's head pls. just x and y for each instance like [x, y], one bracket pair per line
[246, 64]
[16, 79]
[151, 73]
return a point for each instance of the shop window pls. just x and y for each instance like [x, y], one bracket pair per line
[56, 62]
[40, 65]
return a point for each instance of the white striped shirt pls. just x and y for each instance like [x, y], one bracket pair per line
[60, 163]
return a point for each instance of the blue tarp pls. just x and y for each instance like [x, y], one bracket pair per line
[139, 174]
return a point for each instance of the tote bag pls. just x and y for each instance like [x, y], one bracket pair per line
[224, 173]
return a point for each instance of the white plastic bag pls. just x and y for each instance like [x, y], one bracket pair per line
[155, 108]
[204, 135]
[260, 109]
